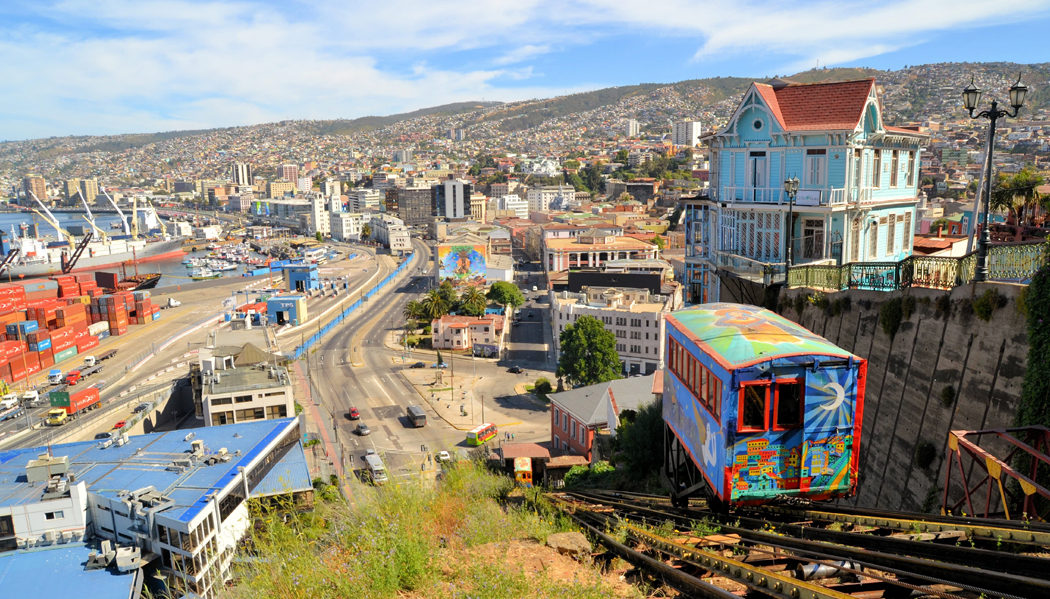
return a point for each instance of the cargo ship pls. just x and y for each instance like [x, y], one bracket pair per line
[39, 258]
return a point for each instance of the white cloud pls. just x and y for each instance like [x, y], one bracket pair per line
[96, 66]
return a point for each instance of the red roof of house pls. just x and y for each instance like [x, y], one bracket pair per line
[816, 106]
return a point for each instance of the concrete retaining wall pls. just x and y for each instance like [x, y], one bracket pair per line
[984, 362]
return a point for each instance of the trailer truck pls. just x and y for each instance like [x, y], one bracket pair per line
[65, 405]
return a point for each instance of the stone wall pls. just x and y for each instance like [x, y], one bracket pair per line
[906, 404]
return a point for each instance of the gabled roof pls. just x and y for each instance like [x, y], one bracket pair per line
[817, 106]
[588, 404]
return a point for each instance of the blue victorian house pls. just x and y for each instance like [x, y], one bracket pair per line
[857, 192]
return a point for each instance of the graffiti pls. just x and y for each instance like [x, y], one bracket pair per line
[463, 263]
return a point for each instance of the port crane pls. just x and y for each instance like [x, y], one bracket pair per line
[123, 219]
[76, 247]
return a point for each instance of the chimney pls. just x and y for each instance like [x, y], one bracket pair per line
[940, 230]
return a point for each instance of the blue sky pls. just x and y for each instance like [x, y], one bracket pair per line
[93, 67]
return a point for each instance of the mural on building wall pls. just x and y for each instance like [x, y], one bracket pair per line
[462, 263]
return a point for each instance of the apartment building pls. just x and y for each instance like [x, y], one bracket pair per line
[320, 217]
[346, 226]
[635, 317]
[391, 232]
[686, 133]
[482, 335]
[541, 199]
[278, 189]
[579, 415]
[515, 204]
[593, 248]
[411, 204]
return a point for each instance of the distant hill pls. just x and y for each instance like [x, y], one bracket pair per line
[367, 123]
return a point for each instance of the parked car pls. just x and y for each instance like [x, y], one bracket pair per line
[443, 456]
[101, 436]
[516, 370]
[119, 425]
[439, 365]
[142, 407]
[418, 365]
[352, 413]
[362, 429]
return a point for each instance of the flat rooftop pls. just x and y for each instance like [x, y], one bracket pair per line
[143, 461]
[29, 572]
[245, 378]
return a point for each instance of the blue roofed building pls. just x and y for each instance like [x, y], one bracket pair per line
[858, 186]
[176, 498]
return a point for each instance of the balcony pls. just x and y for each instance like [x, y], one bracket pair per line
[839, 196]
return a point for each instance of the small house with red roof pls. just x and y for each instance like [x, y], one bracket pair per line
[857, 193]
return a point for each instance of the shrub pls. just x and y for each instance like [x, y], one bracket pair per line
[542, 387]
[943, 306]
[907, 306]
[597, 475]
[890, 315]
[925, 453]
[989, 302]
[948, 396]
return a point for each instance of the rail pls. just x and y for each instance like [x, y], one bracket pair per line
[782, 552]
[1015, 262]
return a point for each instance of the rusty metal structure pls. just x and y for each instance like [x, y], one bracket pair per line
[1031, 441]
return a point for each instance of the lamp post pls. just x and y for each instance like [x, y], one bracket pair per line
[971, 96]
[791, 189]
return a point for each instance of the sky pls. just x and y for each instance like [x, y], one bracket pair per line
[99, 67]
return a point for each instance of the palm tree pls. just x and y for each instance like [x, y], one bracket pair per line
[434, 305]
[473, 301]
[1015, 194]
[413, 310]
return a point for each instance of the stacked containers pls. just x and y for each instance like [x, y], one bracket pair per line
[113, 309]
[12, 366]
[85, 340]
[143, 309]
[19, 330]
[73, 315]
[37, 289]
[67, 286]
[12, 298]
[64, 343]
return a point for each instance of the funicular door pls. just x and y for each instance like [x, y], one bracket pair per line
[827, 440]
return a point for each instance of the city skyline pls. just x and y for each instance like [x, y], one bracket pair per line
[114, 66]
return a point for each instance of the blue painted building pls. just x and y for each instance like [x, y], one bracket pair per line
[301, 277]
[858, 185]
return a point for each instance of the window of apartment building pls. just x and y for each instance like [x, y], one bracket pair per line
[908, 232]
[557, 417]
[274, 412]
[636, 335]
[218, 418]
[635, 349]
[56, 515]
[891, 236]
[565, 422]
[573, 427]
[620, 333]
[583, 435]
[873, 240]
[876, 170]
[251, 414]
[557, 443]
[221, 401]
[619, 347]
[895, 165]
[911, 167]
[636, 322]
[242, 398]
[858, 168]
[816, 161]
[621, 322]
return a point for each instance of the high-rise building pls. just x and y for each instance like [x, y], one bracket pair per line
[320, 218]
[89, 189]
[686, 133]
[451, 199]
[402, 155]
[243, 174]
[277, 189]
[410, 204]
[478, 205]
[34, 184]
[333, 188]
[541, 199]
[632, 128]
[72, 189]
[288, 172]
[305, 184]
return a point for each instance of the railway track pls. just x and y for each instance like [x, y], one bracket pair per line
[815, 552]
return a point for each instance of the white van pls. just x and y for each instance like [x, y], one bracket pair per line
[375, 469]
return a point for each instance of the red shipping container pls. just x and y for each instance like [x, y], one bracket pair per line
[32, 363]
[12, 292]
[79, 334]
[17, 370]
[90, 342]
[82, 399]
[42, 294]
[46, 358]
[118, 330]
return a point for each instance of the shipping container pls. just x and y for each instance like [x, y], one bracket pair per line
[62, 356]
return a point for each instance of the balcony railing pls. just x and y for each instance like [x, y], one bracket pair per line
[838, 196]
[1016, 262]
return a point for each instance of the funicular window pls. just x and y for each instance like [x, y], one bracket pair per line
[754, 408]
[788, 409]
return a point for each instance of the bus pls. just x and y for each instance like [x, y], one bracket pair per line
[416, 416]
[483, 433]
[375, 469]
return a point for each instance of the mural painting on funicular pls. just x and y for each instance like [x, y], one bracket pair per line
[765, 407]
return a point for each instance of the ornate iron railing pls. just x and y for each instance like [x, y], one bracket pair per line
[1015, 262]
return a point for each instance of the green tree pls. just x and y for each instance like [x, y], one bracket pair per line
[472, 302]
[366, 231]
[571, 164]
[318, 236]
[588, 353]
[638, 440]
[448, 292]
[592, 178]
[505, 294]
[659, 242]
[621, 157]
[434, 305]
[414, 310]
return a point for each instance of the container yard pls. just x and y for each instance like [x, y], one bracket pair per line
[49, 321]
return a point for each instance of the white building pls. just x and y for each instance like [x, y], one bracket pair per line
[686, 133]
[519, 206]
[333, 188]
[453, 199]
[547, 167]
[346, 226]
[243, 394]
[541, 199]
[320, 221]
[391, 232]
[177, 497]
[635, 316]
[305, 184]
[365, 200]
[632, 128]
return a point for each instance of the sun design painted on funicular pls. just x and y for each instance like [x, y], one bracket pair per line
[814, 459]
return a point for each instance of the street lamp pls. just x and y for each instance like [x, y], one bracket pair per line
[971, 96]
[791, 189]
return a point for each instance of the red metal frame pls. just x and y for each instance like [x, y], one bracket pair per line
[1033, 441]
[740, 426]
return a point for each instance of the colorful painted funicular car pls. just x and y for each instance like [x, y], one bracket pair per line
[758, 408]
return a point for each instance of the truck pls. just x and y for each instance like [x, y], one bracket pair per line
[65, 406]
[93, 360]
[75, 376]
[72, 377]
[54, 376]
[31, 398]
[10, 410]
[375, 470]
